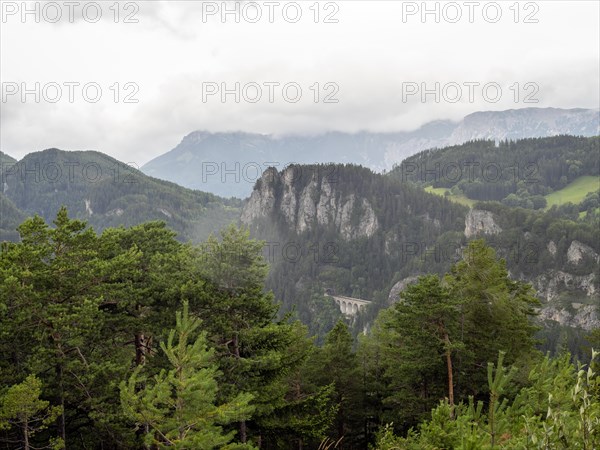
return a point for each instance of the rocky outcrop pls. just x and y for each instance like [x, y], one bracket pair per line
[399, 287]
[480, 222]
[551, 285]
[578, 251]
[585, 316]
[262, 200]
[88, 207]
[305, 205]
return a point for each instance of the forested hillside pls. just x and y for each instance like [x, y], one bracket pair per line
[517, 173]
[228, 342]
[341, 228]
[132, 340]
[348, 229]
[366, 236]
[6, 159]
[106, 192]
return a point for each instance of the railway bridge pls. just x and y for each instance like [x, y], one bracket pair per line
[348, 305]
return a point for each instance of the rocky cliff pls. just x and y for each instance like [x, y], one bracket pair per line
[316, 200]
[567, 298]
[480, 222]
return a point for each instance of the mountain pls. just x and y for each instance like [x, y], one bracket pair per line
[106, 193]
[6, 159]
[364, 235]
[228, 164]
[348, 230]
[10, 218]
[344, 228]
[528, 122]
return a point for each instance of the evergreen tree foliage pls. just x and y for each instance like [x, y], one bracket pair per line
[178, 405]
[22, 408]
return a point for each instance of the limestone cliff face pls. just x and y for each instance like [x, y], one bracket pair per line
[584, 316]
[262, 200]
[578, 251]
[480, 222]
[583, 313]
[304, 204]
[399, 287]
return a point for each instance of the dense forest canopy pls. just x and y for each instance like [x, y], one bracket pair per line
[518, 173]
[131, 339]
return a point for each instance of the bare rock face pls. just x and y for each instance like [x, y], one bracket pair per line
[549, 286]
[578, 251]
[552, 248]
[551, 283]
[262, 200]
[304, 205]
[399, 287]
[586, 317]
[480, 222]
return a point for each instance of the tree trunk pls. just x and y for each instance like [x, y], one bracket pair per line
[62, 428]
[341, 420]
[141, 348]
[450, 376]
[26, 435]
[236, 352]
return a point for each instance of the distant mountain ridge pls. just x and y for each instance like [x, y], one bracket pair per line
[6, 159]
[106, 193]
[228, 164]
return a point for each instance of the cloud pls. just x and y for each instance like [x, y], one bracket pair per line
[370, 57]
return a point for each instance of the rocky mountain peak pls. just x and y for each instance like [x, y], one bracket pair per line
[310, 199]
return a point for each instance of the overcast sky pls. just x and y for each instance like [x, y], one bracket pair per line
[373, 57]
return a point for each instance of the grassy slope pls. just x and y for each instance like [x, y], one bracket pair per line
[460, 199]
[574, 192]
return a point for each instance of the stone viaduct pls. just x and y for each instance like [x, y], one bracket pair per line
[348, 305]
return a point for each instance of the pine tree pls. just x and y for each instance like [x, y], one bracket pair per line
[425, 321]
[178, 405]
[336, 364]
[495, 314]
[51, 287]
[256, 352]
[22, 407]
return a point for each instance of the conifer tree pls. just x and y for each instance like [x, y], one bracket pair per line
[179, 404]
[22, 407]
